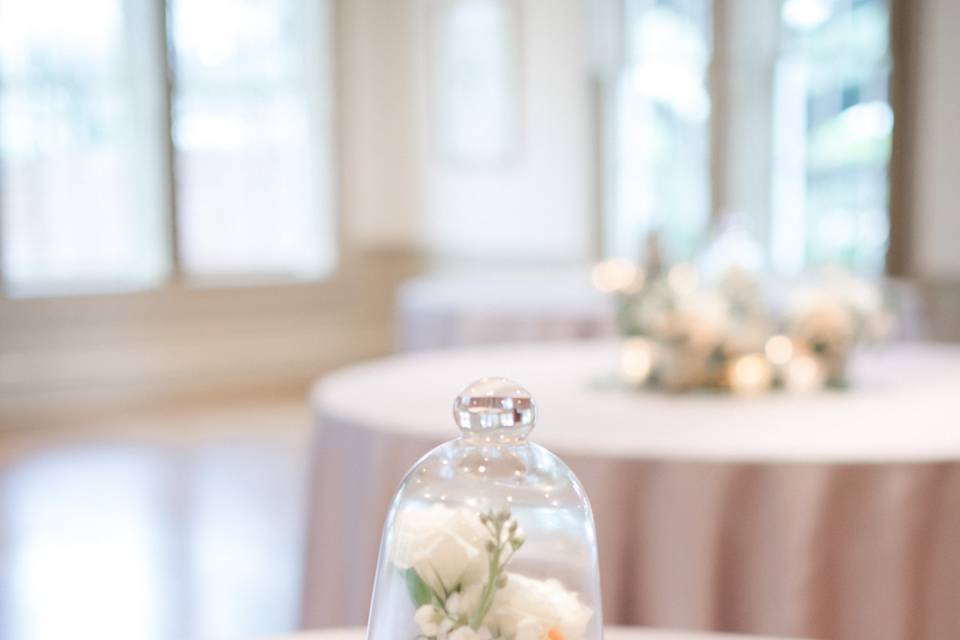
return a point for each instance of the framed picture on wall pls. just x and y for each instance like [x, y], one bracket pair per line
[473, 76]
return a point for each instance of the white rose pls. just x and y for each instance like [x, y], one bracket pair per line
[428, 618]
[703, 318]
[529, 629]
[863, 296]
[444, 546]
[820, 315]
[527, 609]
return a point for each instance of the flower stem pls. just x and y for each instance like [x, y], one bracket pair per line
[488, 590]
[496, 523]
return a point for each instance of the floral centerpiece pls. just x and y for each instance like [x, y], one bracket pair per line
[455, 564]
[684, 332]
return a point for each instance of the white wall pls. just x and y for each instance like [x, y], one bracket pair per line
[937, 169]
[378, 189]
[396, 192]
[536, 207]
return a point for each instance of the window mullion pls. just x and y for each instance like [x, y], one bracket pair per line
[719, 83]
[148, 66]
[902, 88]
[169, 152]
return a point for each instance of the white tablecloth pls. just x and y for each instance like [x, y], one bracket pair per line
[442, 310]
[610, 633]
[834, 515]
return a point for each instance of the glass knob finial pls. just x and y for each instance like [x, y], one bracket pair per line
[495, 410]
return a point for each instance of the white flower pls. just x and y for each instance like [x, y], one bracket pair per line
[428, 618]
[863, 296]
[527, 609]
[529, 629]
[702, 318]
[821, 315]
[444, 546]
[465, 601]
[841, 308]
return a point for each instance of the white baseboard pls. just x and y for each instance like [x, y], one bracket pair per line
[64, 352]
[279, 354]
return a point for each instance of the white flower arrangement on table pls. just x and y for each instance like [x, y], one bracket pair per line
[455, 561]
[683, 334]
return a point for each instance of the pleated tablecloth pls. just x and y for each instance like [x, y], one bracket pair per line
[494, 307]
[831, 515]
[610, 633]
[444, 310]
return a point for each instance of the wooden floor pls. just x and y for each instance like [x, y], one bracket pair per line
[162, 524]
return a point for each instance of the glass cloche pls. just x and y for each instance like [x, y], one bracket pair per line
[489, 537]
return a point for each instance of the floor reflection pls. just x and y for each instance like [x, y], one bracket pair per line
[179, 526]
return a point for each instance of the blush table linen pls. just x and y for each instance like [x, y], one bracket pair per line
[458, 309]
[610, 633]
[462, 309]
[829, 515]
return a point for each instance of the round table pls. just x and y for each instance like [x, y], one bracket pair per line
[450, 309]
[833, 515]
[610, 633]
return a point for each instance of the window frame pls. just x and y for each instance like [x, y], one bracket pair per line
[747, 34]
[155, 16]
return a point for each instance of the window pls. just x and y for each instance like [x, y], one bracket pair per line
[819, 139]
[660, 138]
[111, 180]
[75, 203]
[832, 131]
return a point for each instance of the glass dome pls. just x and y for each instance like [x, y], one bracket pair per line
[489, 537]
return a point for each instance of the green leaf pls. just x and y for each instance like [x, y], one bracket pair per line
[420, 593]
